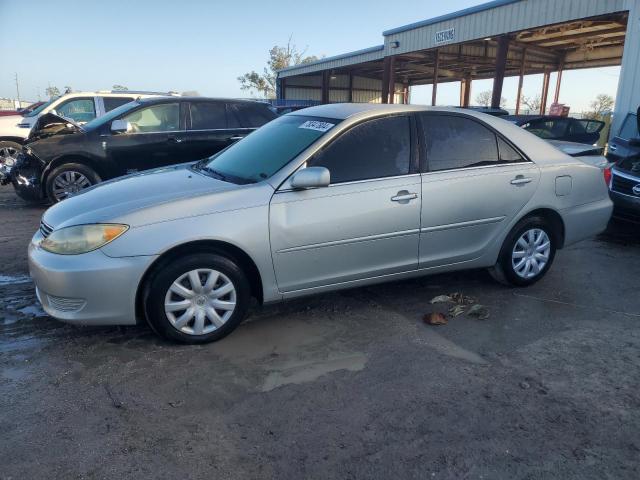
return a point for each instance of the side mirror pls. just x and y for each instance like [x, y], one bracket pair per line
[311, 177]
[120, 126]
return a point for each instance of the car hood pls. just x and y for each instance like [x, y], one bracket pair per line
[10, 120]
[153, 196]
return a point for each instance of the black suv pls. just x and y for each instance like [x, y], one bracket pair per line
[61, 157]
[624, 187]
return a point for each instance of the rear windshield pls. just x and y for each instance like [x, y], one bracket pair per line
[268, 149]
[630, 127]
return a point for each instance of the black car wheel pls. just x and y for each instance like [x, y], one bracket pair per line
[527, 253]
[9, 152]
[68, 179]
[197, 298]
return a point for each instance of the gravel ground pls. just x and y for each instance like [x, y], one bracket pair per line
[343, 385]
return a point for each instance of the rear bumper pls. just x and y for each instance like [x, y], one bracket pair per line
[584, 221]
[87, 289]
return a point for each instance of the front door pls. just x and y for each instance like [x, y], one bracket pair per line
[473, 183]
[365, 224]
[155, 139]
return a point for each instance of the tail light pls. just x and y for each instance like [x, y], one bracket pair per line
[607, 175]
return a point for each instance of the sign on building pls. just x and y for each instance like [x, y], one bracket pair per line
[445, 36]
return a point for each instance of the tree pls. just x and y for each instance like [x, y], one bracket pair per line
[532, 103]
[484, 99]
[279, 57]
[119, 88]
[52, 92]
[601, 106]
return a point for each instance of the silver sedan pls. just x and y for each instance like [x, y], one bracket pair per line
[330, 197]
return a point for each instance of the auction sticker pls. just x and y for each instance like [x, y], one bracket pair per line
[316, 125]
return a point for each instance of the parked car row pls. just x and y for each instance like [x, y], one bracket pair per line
[62, 157]
[320, 199]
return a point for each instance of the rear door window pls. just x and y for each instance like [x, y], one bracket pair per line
[208, 116]
[374, 149]
[253, 115]
[453, 142]
[629, 127]
[114, 102]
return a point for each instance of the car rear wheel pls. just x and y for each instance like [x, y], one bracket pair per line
[527, 253]
[198, 298]
[68, 179]
[9, 152]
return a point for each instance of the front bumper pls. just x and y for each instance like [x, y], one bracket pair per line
[625, 207]
[25, 176]
[87, 289]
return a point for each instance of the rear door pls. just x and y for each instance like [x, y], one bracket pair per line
[157, 132]
[365, 224]
[210, 128]
[473, 183]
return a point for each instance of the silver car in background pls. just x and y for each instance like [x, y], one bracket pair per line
[329, 197]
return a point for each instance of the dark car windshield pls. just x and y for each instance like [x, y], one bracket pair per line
[35, 112]
[268, 149]
[630, 127]
[115, 113]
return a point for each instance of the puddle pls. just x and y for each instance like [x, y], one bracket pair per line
[14, 280]
[447, 347]
[302, 372]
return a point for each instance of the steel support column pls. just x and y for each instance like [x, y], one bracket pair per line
[545, 91]
[350, 94]
[465, 91]
[501, 64]
[392, 79]
[325, 86]
[436, 68]
[521, 80]
[386, 73]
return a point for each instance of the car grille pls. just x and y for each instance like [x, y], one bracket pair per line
[45, 229]
[64, 304]
[623, 184]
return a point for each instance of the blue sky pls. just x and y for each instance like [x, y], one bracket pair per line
[206, 45]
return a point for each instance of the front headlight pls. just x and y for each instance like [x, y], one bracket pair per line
[82, 238]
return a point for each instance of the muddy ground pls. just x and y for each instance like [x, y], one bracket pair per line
[343, 385]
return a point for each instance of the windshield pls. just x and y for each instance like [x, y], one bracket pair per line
[99, 121]
[630, 127]
[40, 108]
[268, 149]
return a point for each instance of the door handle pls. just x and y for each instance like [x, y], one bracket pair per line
[172, 139]
[236, 137]
[404, 196]
[521, 180]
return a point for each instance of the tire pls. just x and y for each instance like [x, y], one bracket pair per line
[67, 179]
[9, 152]
[531, 240]
[179, 312]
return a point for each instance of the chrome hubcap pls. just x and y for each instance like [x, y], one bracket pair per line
[200, 301]
[531, 253]
[68, 183]
[8, 156]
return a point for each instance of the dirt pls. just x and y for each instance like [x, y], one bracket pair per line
[344, 385]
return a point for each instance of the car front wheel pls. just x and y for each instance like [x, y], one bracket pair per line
[527, 253]
[68, 179]
[198, 298]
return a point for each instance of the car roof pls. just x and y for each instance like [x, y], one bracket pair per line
[199, 99]
[342, 111]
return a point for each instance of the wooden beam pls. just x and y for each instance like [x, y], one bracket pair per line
[465, 90]
[523, 65]
[556, 95]
[501, 63]
[436, 66]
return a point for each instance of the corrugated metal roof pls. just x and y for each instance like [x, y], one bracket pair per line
[450, 16]
[337, 61]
